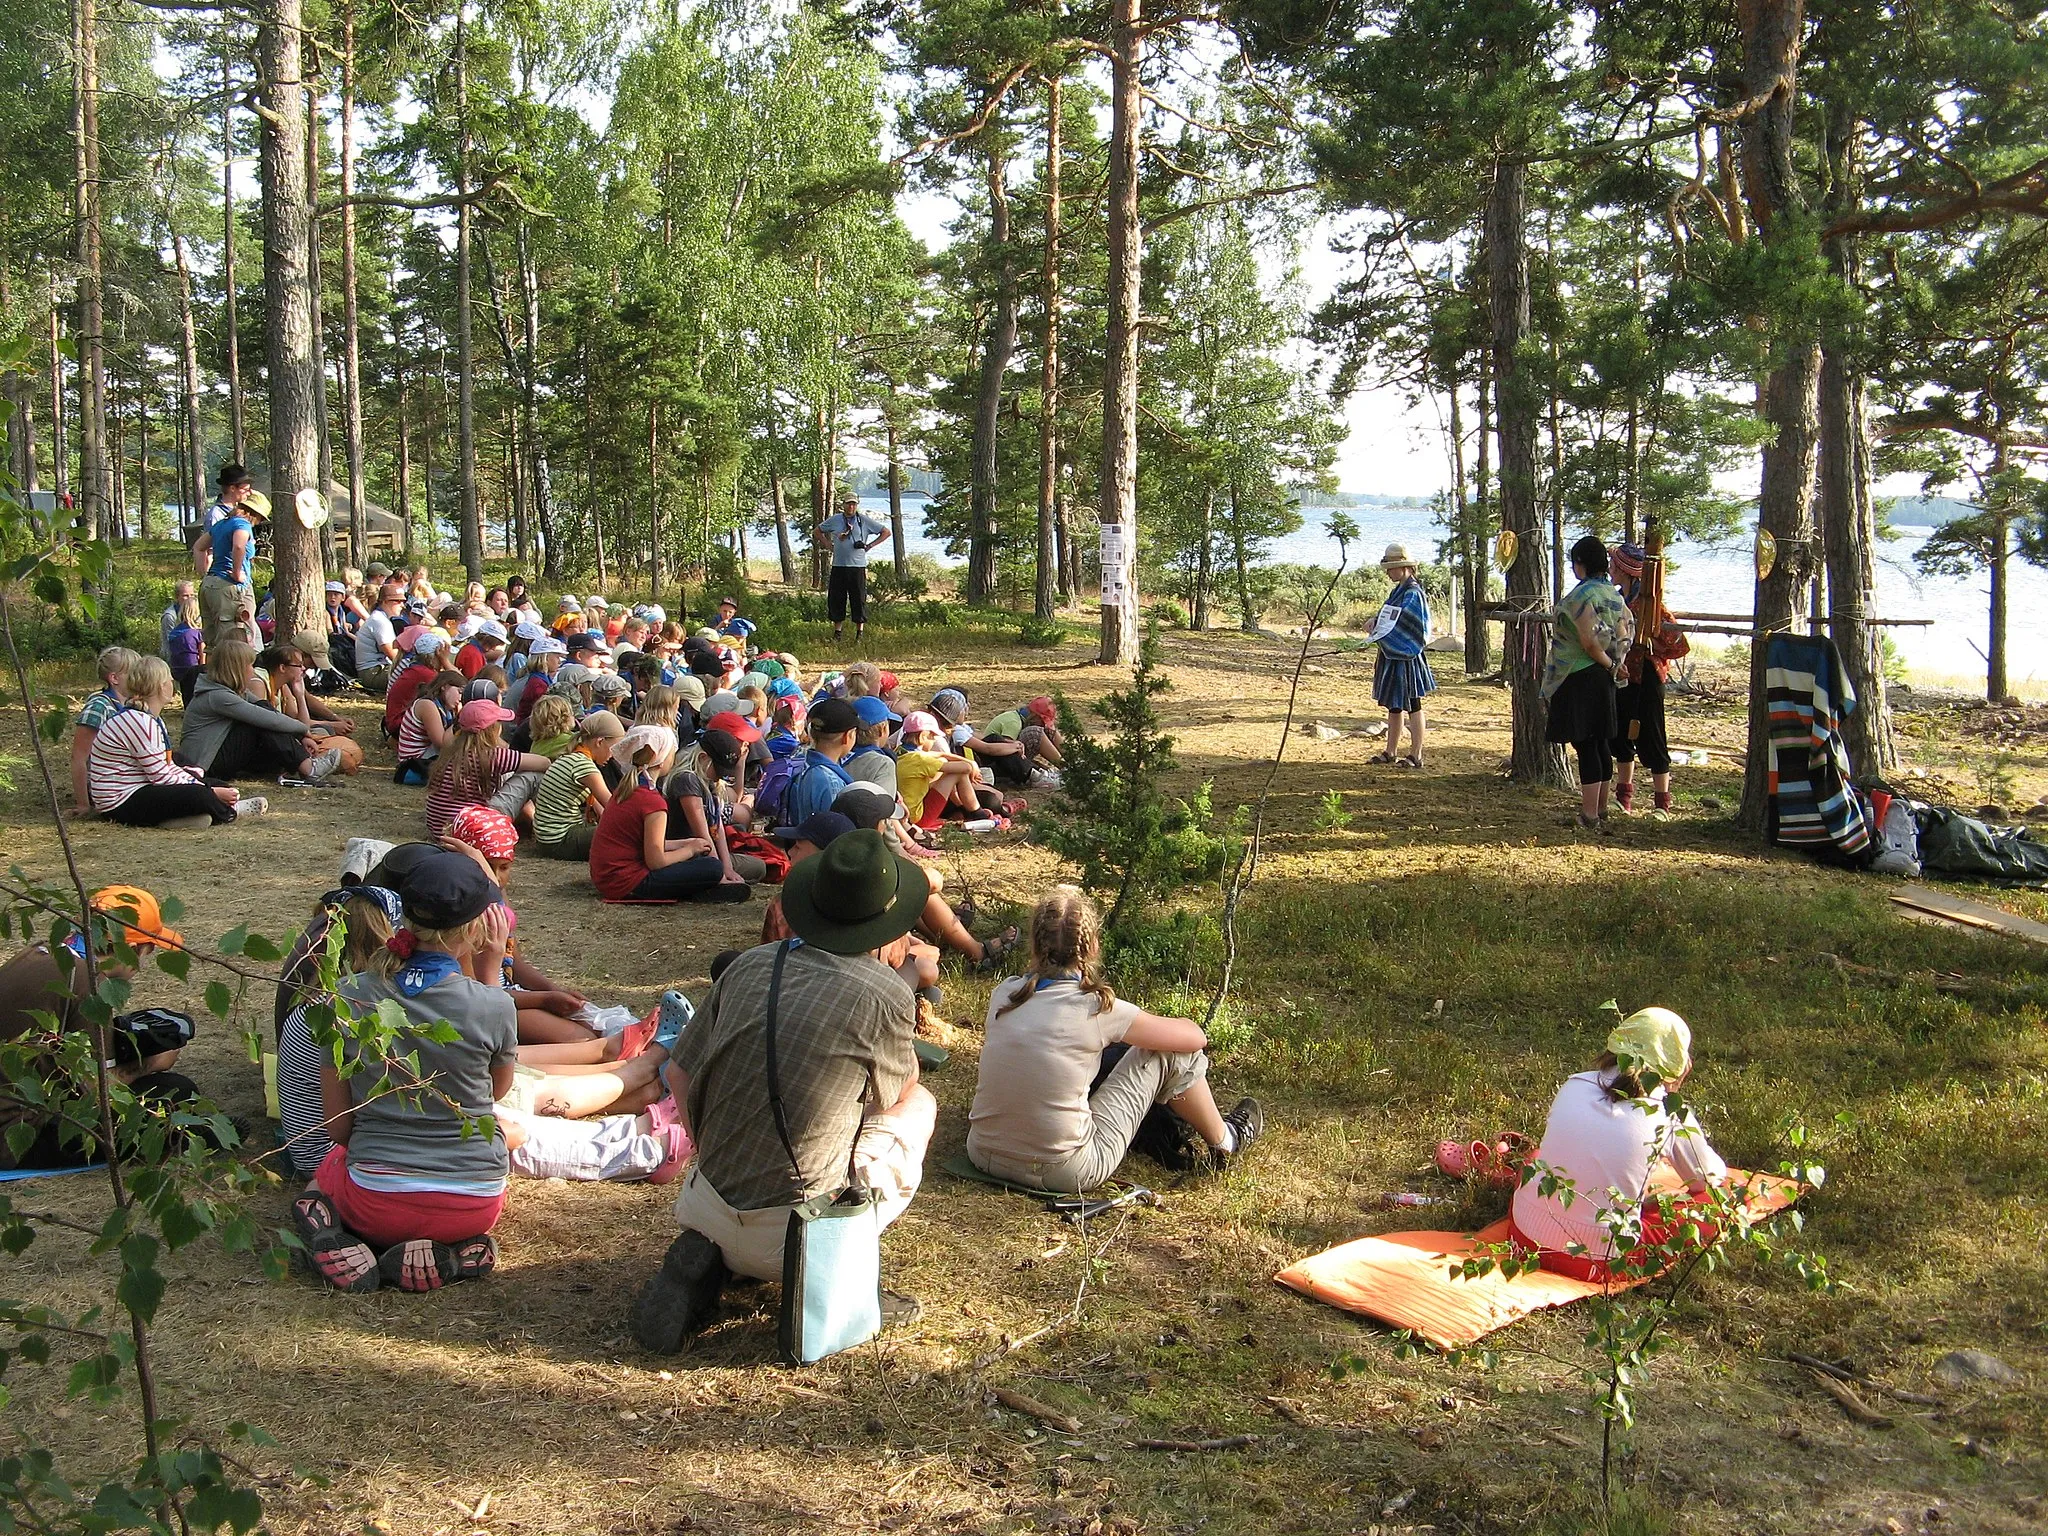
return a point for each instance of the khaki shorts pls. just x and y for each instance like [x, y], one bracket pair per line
[225, 610]
[889, 1156]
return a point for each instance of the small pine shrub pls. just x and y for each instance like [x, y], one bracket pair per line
[1041, 634]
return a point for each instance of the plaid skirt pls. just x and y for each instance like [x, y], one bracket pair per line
[1402, 682]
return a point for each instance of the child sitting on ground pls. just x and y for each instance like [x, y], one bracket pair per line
[185, 644]
[930, 777]
[632, 855]
[1005, 760]
[112, 664]
[416, 1179]
[474, 765]
[572, 793]
[1607, 1131]
[428, 724]
[131, 776]
[1044, 1114]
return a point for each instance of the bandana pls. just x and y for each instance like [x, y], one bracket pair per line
[489, 832]
[386, 898]
[426, 968]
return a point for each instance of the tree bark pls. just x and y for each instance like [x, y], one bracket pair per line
[1848, 520]
[1046, 589]
[998, 345]
[471, 529]
[1790, 396]
[188, 374]
[654, 571]
[351, 326]
[60, 447]
[898, 541]
[1997, 560]
[1471, 545]
[1198, 614]
[401, 490]
[1482, 508]
[541, 483]
[1120, 363]
[1532, 759]
[295, 385]
[238, 409]
[93, 467]
[326, 453]
[1247, 614]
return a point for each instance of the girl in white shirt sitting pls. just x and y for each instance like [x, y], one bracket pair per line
[1607, 1132]
[1044, 1115]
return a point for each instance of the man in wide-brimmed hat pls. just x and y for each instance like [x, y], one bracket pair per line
[852, 1107]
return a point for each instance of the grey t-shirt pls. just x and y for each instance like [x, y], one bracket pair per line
[375, 634]
[416, 1133]
[850, 536]
[873, 766]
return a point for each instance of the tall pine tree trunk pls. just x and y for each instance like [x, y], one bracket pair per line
[1120, 342]
[471, 528]
[238, 408]
[1471, 545]
[899, 542]
[188, 376]
[60, 448]
[998, 344]
[1997, 563]
[1848, 519]
[326, 454]
[1205, 561]
[21, 420]
[1790, 396]
[1533, 760]
[351, 325]
[541, 480]
[295, 384]
[401, 490]
[1046, 590]
[94, 484]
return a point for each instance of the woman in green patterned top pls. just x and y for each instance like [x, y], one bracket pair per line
[1589, 636]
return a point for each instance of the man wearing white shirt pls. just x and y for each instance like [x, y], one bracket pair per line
[853, 536]
[377, 640]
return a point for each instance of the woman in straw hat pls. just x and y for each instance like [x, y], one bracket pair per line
[1401, 678]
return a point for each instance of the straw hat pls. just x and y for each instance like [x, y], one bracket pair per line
[1396, 558]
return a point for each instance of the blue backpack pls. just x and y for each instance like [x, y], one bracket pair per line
[773, 787]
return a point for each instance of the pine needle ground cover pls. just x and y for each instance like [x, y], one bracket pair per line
[1428, 962]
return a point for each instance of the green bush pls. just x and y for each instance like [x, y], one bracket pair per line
[1167, 613]
[1044, 634]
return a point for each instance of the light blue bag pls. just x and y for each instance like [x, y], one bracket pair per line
[832, 1255]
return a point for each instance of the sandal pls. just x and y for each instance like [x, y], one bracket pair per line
[993, 950]
[1498, 1162]
[422, 1265]
[637, 1036]
[1407, 762]
[333, 1252]
[1382, 757]
[676, 1143]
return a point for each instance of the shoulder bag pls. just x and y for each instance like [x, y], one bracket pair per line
[832, 1254]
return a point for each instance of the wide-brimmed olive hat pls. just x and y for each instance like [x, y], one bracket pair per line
[854, 896]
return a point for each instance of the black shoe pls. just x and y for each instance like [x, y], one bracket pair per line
[1170, 1141]
[900, 1311]
[682, 1296]
[1247, 1121]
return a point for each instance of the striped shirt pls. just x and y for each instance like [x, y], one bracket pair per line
[412, 736]
[564, 791]
[455, 789]
[301, 1112]
[132, 749]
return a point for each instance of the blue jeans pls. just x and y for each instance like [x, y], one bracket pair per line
[697, 879]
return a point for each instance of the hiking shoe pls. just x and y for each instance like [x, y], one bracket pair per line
[323, 766]
[681, 1297]
[900, 1311]
[1248, 1122]
[250, 805]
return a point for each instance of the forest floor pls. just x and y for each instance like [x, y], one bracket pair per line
[1430, 964]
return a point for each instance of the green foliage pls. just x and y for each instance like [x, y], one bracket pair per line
[1111, 818]
[1041, 634]
[1330, 813]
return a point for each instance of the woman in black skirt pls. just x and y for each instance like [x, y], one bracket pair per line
[1589, 635]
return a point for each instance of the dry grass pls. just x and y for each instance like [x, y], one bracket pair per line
[1448, 885]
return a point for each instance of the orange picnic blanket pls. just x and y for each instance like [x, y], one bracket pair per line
[1404, 1278]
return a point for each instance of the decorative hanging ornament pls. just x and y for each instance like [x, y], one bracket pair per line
[1506, 546]
[256, 502]
[312, 510]
[1766, 553]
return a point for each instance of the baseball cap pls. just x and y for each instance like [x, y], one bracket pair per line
[734, 725]
[867, 805]
[445, 890]
[480, 688]
[950, 705]
[833, 717]
[918, 721]
[335, 586]
[872, 711]
[547, 645]
[140, 917]
[722, 747]
[729, 602]
[479, 714]
[528, 630]
[818, 829]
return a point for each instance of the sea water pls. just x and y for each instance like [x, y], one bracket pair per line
[1721, 579]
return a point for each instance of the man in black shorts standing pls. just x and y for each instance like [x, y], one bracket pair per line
[852, 536]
